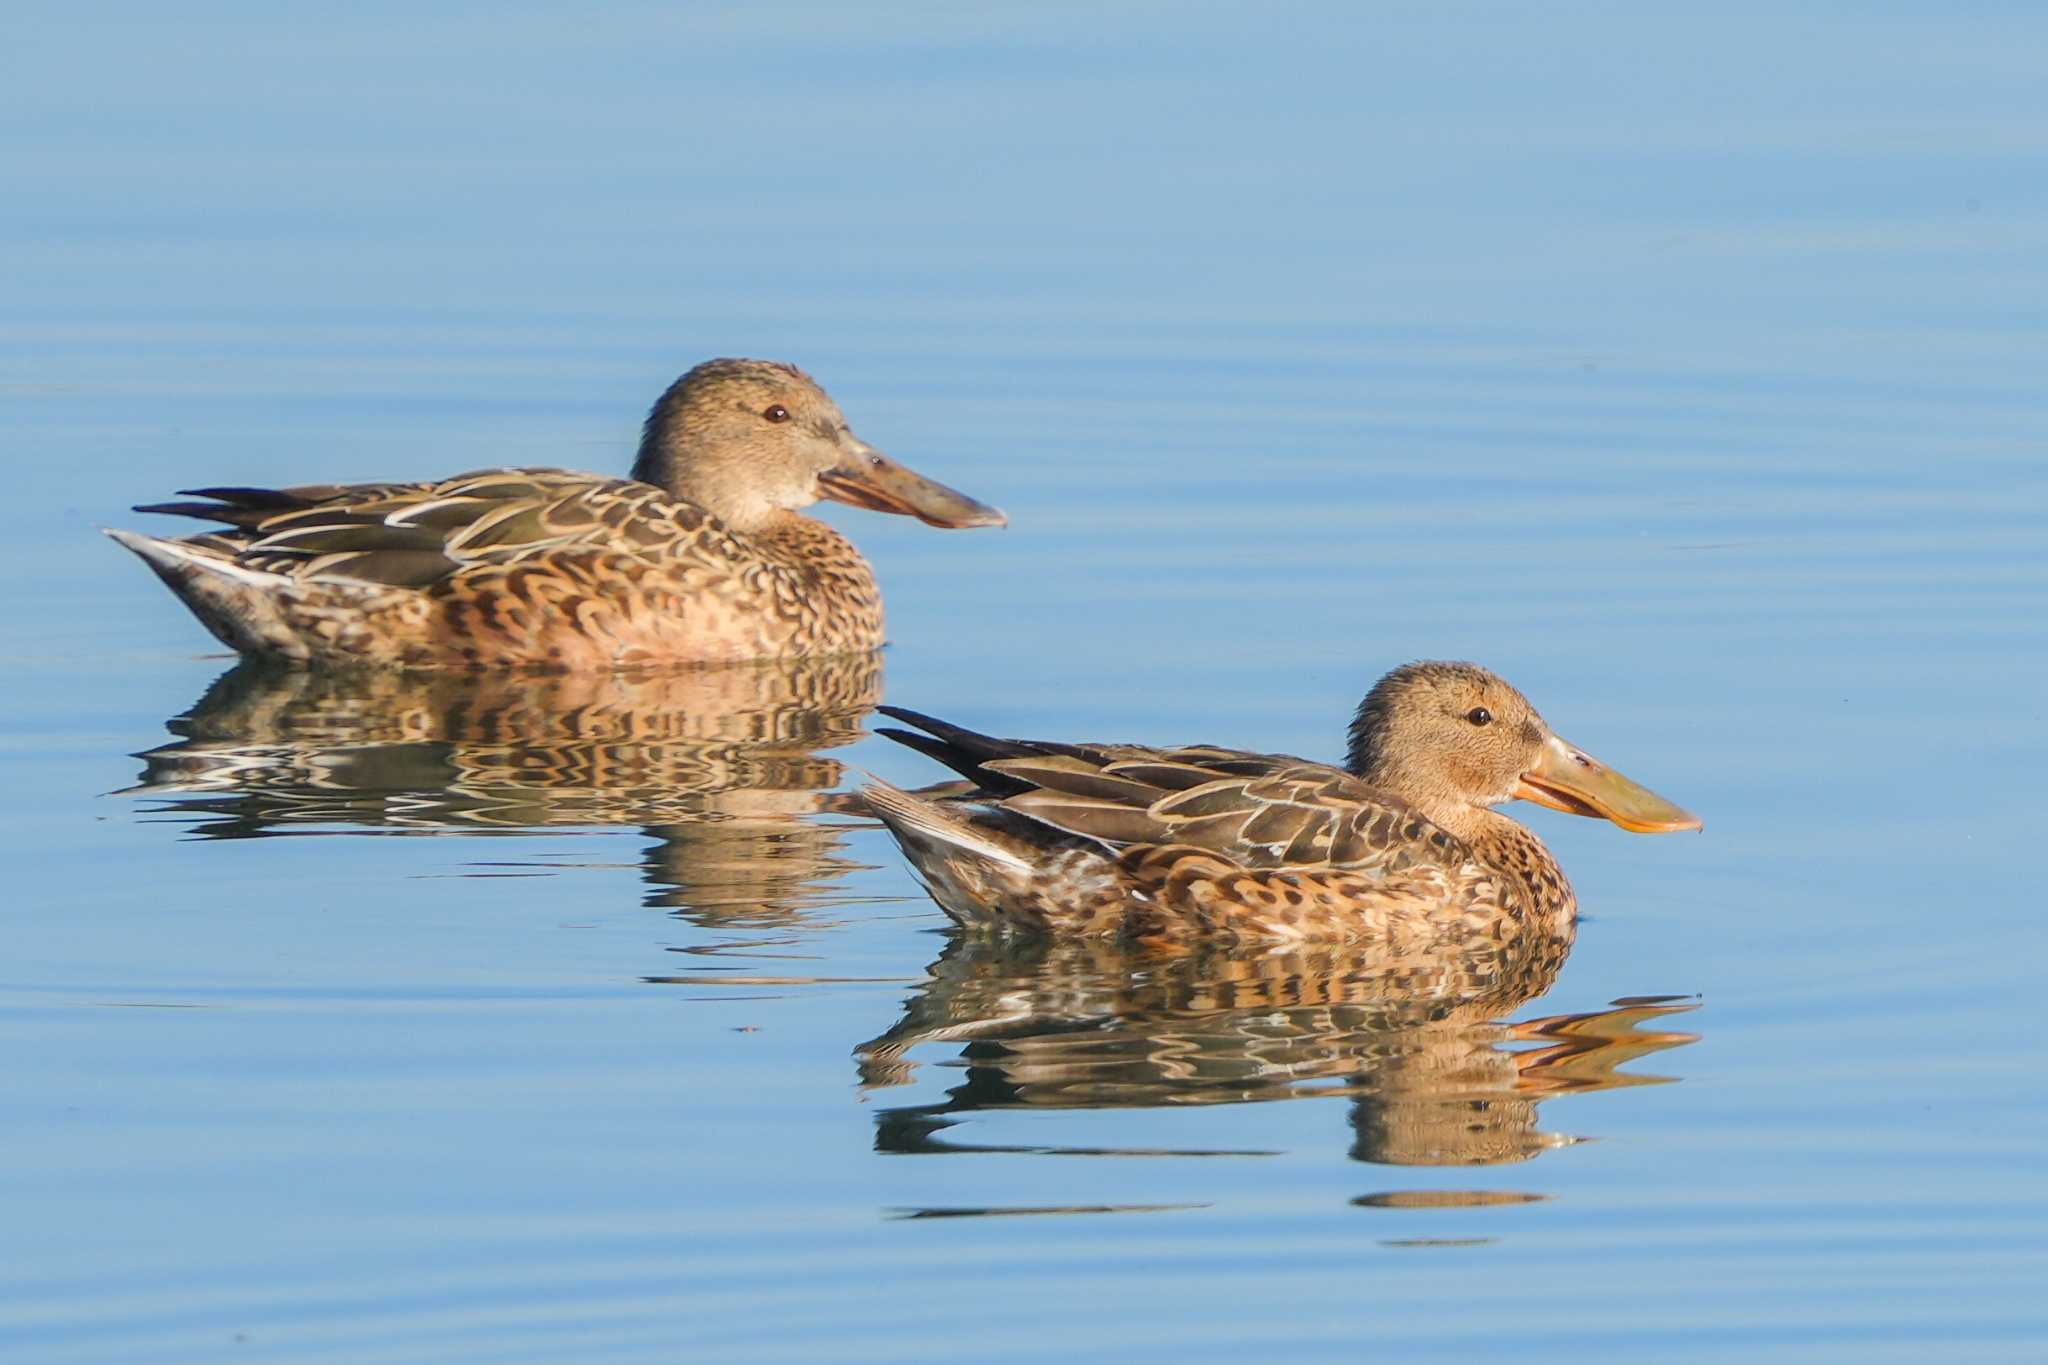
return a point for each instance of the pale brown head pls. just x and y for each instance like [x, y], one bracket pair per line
[750, 439]
[1452, 738]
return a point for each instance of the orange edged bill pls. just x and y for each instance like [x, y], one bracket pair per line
[1570, 779]
[868, 478]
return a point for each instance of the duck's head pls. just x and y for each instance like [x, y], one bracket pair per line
[1452, 738]
[750, 439]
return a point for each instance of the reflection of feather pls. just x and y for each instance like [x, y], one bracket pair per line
[719, 762]
[1412, 1041]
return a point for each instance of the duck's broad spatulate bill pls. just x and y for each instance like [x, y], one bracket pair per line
[868, 478]
[1569, 779]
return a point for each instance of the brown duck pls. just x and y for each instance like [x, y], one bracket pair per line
[1162, 845]
[701, 556]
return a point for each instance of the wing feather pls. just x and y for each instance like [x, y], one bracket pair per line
[417, 534]
[1075, 776]
[1110, 822]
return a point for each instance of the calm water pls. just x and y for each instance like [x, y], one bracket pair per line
[1685, 370]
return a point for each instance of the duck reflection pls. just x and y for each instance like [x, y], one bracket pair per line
[719, 764]
[1414, 1041]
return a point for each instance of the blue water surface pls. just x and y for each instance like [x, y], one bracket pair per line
[1684, 367]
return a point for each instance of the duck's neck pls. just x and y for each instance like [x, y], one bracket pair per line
[807, 546]
[1513, 850]
[797, 539]
[733, 492]
[821, 581]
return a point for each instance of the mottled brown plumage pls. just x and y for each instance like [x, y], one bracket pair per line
[701, 556]
[1163, 845]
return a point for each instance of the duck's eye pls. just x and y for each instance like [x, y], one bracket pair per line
[1479, 715]
[775, 412]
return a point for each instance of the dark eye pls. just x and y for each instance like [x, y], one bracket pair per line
[1479, 715]
[775, 412]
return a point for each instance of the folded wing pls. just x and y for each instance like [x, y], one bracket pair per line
[417, 534]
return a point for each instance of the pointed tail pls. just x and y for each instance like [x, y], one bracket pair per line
[238, 604]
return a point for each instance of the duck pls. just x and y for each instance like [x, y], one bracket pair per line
[1165, 847]
[703, 555]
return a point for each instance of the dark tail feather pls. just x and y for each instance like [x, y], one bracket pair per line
[934, 748]
[205, 511]
[964, 750]
[269, 499]
[961, 749]
[959, 736]
[242, 507]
